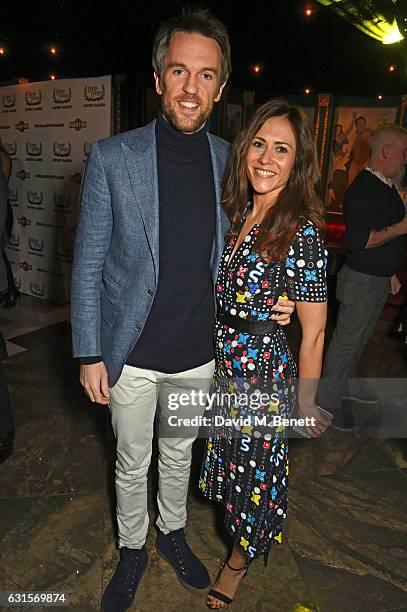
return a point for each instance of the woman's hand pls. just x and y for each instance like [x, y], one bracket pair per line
[283, 311]
[321, 423]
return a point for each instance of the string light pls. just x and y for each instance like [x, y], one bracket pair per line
[53, 50]
[256, 68]
[392, 68]
[308, 12]
[307, 91]
[2, 51]
[52, 77]
[380, 97]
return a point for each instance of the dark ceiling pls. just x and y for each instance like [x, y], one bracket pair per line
[323, 51]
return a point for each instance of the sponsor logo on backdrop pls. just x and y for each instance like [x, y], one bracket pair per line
[24, 221]
[22, 175]
[33, 151]
[75, 178]
[11, 148]
[35, 199]
[86, 148]
[37, 289]
[62, 152]
[49, 125]
[62, 149]
[21, 126]
[41, 224]
[62, 201]
[13, 196]
[77, 124]
[94, 95]
[36, 246]
[61, 98]
[14, 242]
[33, 100]
[24, 265]
[49, 176]
[8, 102]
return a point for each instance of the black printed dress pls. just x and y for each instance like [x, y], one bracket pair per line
[245, 466]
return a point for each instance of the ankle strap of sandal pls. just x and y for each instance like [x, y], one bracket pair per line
[237, 569]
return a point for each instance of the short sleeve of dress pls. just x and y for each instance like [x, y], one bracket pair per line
[305, 266]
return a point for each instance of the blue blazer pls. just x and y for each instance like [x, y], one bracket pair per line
[116, 258]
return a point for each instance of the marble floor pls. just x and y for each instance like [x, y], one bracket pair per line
[345, 542]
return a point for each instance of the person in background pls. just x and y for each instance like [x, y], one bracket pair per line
[375, 234]
[275, 249]
[6, 416]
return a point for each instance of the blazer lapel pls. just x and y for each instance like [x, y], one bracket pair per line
[141, 161]
[218, 165]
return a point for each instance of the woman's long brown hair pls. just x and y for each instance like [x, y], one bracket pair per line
[296, 201]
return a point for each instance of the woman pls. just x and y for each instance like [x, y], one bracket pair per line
[274, 250]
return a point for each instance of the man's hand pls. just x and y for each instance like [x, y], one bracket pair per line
[93, 379]
[395, 285]
[286, 308]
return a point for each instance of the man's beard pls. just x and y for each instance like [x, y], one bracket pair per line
[181, 123]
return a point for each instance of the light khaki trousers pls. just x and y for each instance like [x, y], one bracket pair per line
[133, 404]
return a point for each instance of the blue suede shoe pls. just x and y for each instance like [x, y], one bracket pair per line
[121, 590]
[190, 571]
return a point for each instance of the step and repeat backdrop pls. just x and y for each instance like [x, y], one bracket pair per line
[48, 129]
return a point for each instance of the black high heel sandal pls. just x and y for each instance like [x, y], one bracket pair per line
[221, 596]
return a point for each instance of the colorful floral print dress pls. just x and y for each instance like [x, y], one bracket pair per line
[245, 465]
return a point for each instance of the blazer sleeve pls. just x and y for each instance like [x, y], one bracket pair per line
[91, 244]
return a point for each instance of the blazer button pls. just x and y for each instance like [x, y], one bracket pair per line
[137, 328]
[150, 291]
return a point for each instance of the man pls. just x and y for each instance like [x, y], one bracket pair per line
[376, 227]
[148, 244]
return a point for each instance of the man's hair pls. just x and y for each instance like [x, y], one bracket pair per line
[193, 21]
[379, 135]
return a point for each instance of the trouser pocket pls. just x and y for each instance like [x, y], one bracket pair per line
[350, 288]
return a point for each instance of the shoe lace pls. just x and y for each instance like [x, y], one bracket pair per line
[127, 572]
[182, 551]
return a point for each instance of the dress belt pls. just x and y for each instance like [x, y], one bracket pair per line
[257, 328]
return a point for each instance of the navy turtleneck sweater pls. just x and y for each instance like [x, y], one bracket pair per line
[178, 334]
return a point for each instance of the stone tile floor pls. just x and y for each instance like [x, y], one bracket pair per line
[345, 543]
